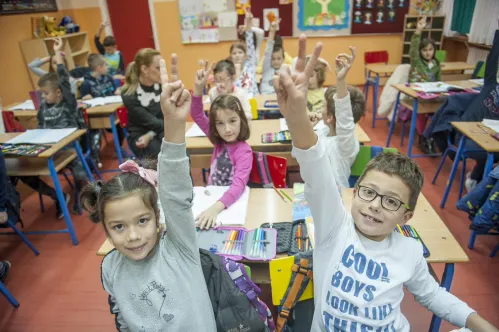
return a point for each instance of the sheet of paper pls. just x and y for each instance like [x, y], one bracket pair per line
[27, 105]
[206, 100]
[433, 87]
[195, 131]
[42, 136]
[284, 126]
[204, 197]
[227, 19]
[269, 16]
[216, 6]
[492, 124]
[479, 81]
[103, 101]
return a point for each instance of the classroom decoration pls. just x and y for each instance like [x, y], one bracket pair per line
[379, 16]
[207, 21]
[241, 6]
[258, 9]
[269, 16]
[50, 28]
[27, 6]
[324, 15]
[68, 24]
[427, 7]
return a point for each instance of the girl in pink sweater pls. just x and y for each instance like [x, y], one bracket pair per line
[232, 159]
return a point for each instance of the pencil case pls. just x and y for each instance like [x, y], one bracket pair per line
[278, 137]
[271, 104]
[284, 235]
[238, 243]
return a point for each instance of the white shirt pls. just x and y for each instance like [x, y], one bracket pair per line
[358, 283]
[343, 148]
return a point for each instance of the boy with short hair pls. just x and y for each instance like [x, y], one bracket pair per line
[114, 58]
[58, 109]
[360, 264]
[340, 117]
[98, 83]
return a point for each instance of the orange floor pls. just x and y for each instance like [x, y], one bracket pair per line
[61, 290]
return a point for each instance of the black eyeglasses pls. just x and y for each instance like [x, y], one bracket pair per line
[387, 202]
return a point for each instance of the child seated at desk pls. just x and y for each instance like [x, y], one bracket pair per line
[272, 60]
[98, 83]
[58, 110]
[232, 158]
[35, 65]
[424, 68]
[288, 59]
[358, 258]
[340, 117]
[225, 75]
[114, 58]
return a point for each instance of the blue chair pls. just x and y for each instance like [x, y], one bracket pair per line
[12, 300]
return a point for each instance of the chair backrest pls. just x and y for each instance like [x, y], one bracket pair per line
[376, 57]
[36, 97]
[254, 108]
[123, 116]
[441, 55]
[11, 125]
[85, 114]
[479, 71]
[366, 153]
[269, 170]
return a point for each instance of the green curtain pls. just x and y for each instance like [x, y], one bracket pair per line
[462, 15]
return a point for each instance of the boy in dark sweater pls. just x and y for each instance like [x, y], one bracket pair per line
[58, 110]
[98, 83]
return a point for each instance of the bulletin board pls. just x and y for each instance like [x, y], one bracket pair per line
[208, 21]
[27, 6]
[285, 13]
[379, 16]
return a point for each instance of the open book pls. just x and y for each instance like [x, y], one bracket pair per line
[103, 101]
[435, 87]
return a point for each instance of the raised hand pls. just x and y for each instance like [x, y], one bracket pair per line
[57, 44]
[175, 99]
[292, 90]
[104, 24]
[421, 24]
[344, 63]
[201, 78]
[248, 18]
[274, 26]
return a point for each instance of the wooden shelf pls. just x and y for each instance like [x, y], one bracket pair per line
[80, 53]
[464, 40]
[70, 35]
[433, 30]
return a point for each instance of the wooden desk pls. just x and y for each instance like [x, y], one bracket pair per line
[200, 148]
[99, 117]
[450, 71]
[49, 163]
[260, 101]
[483, 138]
[418, 106]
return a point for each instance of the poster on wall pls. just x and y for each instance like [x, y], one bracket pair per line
[241, 6]
[323, 15]
[269, 16]
[27, 6]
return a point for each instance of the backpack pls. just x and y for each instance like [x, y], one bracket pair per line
[12, 204]
[297, 316]
[234, 297]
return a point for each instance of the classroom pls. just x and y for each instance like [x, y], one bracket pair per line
[188, 165]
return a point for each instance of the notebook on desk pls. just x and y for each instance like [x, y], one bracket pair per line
[435, 87]
[204, 197]
[41, 136]
[100, 101]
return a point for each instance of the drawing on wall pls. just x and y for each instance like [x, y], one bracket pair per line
[241, 6]
[380, 17]
[368, 17]
[358, 3]
[323, 14]
[369, 3]
[390, 4]
[358, 17]
[269, 16]
[391, 16]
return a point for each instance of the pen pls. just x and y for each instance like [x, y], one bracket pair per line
[278, 193]
[284, 193]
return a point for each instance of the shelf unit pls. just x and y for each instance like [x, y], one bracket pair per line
[76, 48]
[434, 29]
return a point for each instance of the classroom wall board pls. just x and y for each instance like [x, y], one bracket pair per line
[27, 6]
[285, 13]
[379, 16]
[207, 21]
[322, 18]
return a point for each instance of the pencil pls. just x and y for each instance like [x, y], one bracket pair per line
[284, 193]
[278, 193]
[400, 229]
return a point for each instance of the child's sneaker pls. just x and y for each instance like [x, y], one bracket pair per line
[58, 213]
[469, 183]
[4, 270]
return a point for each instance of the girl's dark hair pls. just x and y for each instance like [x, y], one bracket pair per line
[51, 69]
[425, 42]
[240, 46]
[242, 38]
[94, 196]
[223, 65]
[224, 102]
[278, 41]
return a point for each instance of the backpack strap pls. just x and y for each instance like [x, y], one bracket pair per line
[238, 274]
[262, 167]
[302, 274]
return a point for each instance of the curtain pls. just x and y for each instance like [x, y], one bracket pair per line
[485, 22]
[462, 15]
[446, 10]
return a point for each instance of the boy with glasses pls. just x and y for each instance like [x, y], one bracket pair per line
[360, 265]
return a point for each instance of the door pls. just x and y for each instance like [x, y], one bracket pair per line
[131, 22]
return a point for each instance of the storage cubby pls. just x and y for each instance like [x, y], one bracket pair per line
[434, 29]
